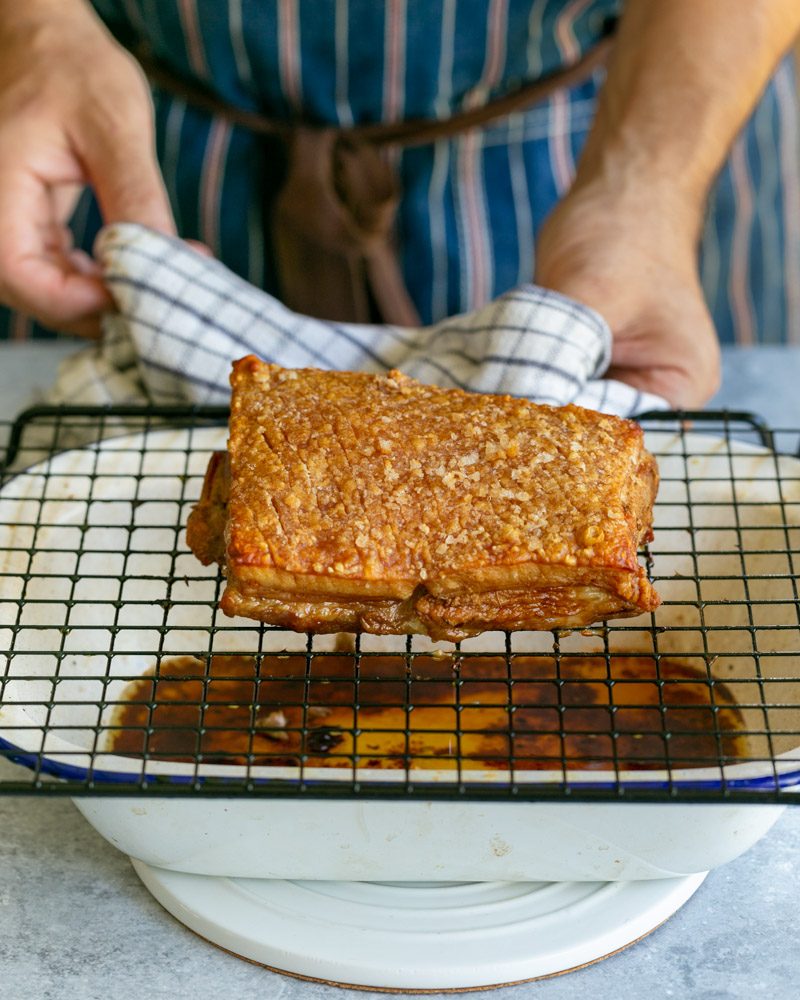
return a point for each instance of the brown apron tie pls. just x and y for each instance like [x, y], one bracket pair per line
[332, 231]
[333, 219]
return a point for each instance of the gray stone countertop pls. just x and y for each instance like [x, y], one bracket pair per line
[76, 923]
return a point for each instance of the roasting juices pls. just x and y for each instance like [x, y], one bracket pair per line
[430, 711]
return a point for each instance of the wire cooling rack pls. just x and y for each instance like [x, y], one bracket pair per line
[118, 674]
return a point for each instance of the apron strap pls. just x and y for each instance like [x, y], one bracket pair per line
[333, 218]
[332, 229]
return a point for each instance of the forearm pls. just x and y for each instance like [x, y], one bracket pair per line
[683, 78]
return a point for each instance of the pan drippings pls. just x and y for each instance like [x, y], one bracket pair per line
[390, 711]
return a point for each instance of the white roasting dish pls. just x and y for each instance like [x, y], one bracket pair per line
[724, 568]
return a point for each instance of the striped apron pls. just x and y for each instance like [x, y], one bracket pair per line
[470, 205]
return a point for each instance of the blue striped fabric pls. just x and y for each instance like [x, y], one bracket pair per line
[471, 205]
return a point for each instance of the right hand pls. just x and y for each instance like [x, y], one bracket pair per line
[632, 257]
[75, 109]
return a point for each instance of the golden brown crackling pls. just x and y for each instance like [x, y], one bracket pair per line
[361, 487]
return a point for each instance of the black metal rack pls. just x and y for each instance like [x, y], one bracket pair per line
[97, 588]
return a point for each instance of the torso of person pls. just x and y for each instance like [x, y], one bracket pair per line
[471, 204]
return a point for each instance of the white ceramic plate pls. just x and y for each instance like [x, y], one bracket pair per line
[413, 936]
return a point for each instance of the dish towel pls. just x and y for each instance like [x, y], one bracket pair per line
[183, 318]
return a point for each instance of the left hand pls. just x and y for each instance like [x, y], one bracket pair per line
[634, 260]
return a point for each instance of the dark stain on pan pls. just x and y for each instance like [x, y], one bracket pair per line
[277, 710]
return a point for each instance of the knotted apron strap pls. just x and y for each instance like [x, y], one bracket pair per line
[333, 219]
[332, 231]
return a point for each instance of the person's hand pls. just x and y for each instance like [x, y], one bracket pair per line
[634, 260]
[75, 109]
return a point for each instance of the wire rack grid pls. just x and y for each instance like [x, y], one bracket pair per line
[118, 674]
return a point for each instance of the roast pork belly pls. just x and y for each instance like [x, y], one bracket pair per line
[356, 502]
